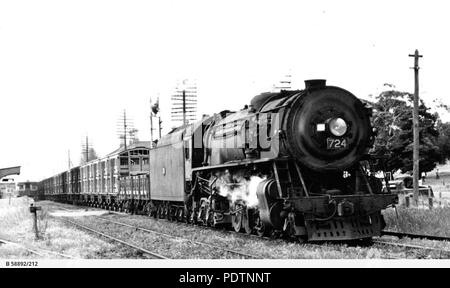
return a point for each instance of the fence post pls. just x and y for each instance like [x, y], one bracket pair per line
[430, 199]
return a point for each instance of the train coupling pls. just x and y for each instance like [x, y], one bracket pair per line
[345, 208]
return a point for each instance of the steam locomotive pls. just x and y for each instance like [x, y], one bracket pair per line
[293, 163]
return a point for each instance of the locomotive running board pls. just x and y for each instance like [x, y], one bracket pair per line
[233, 164]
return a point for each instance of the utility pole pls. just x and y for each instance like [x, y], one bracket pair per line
[68, 158]
[184, 102]
[416, 126]
[85, 150]
[125, 129]
[125, 139]
[184, 107]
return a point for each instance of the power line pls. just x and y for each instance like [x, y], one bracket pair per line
[284, 84]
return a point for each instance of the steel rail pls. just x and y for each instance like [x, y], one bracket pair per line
[181, 238]
[37, 251]
[153, 254]
[180, 223]
[411, 246]
[174, 236]
[3, 241]
[414, 236]
[375, 241]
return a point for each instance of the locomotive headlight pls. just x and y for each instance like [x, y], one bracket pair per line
[338, 126]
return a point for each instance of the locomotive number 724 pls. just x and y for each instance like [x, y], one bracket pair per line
[333, 144]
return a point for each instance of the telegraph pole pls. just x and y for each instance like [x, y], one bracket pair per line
[87, 149]
[68, 158]
[184, 102]
[184, 107]
[416, 126]
[125, 127]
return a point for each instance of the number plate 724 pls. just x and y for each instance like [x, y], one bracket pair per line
[333, 144]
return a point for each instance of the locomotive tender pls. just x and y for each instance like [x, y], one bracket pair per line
[293, 163]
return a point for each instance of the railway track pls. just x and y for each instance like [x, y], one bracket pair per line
[165, 235]
[400, 235]
[37, 251]
[440, 251]
[168, 236]
[312, 245]
[142, 250]
[414, 236]
[379, 241]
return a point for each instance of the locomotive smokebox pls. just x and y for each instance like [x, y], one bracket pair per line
[315, 84]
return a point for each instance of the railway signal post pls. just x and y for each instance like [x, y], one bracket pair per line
[416, 126]
[154, 112]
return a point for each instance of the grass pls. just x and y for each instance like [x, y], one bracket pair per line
[421, 221]
[15, 217]
[16, 225]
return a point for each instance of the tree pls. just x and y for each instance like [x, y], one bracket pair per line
[393, 120]
[444, 141]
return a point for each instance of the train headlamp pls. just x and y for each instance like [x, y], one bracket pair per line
[338, 127]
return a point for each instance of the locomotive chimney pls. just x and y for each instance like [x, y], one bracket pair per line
[315, 84]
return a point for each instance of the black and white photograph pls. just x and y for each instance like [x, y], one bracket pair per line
[224, 134]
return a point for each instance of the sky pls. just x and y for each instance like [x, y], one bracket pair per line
[69, 68]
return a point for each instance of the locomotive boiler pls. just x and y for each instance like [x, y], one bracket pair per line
[292, 163]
